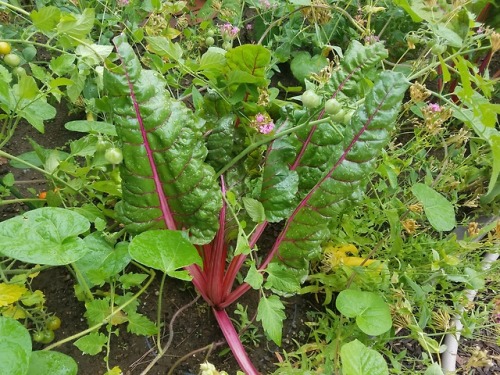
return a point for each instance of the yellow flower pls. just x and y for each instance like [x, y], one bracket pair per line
[334, 256]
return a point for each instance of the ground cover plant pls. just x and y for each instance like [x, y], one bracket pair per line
[307, 148]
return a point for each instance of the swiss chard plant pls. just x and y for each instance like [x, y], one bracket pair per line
[209, 182]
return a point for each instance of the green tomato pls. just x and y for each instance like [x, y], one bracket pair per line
[227, 45]
[210, 32]
[339, 116]
[44, 337]
[53, 323]
[310, 99]
[209, 41]
[12, 60]
[438, 49]
[19, 71]
[101, 144]
[113, 155]
[332, 106]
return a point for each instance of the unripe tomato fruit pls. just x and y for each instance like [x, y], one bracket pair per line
[209, 41]
[19, 71]
[310, 99]
[113, 155]
[438, 49]
[53, 323]
[44, 337]
[332, 106]
[12, 60]
[5, 48]
[339, 116]
[210, 32]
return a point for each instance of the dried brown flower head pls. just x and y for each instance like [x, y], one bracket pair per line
[410, 226]
[473, 229]
[418, 92]
[318, 12]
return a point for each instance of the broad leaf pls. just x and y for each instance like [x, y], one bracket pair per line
[15, 347]
[164, 250]
[174, 189]
[251, 59]
[53, 363]
[141, 325]
[438, 209]
[349, 166]
[357, 359]
[372, 313]
[91, 127]
[44, 236]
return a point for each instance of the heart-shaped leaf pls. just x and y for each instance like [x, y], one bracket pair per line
[372, 313]
[438, 209]
[165, 250]
[303, 65]
[357, 359]
[46, 235]
[53, 363]
[15, 347]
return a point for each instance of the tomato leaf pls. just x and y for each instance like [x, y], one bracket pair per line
[140, 325]
[271, 313]
[92, 343]
[357, 359]
[10, 293]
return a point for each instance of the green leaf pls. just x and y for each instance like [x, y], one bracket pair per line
[13, 332]
[252, 59]
[495, 170]
[14, 361]
[174, 189]
[357, 359]
[27, 87]
[434, 369]
[303, 65]
[15, 347]
[36, 112]
[255, 209]
[46, 18]
[102, 261]
[85, 126]
[164, 47]
[254, 278]
[438, 209]
[283, 279]
[132, 279]
[372, 313]
[271, 313]
[92, 343]
[53, 363]
[141, 325]
[62, 64]
[76, 26]
[346, 171]
[164, 250]
[46, 235]
[97, 311]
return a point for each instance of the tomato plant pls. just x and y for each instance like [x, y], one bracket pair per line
[5, 48]
[12, 60]
[45, 336]
[53, 323]
[310, 99]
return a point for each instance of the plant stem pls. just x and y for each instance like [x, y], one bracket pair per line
[107, 318]
[17, 9]
[158, 313]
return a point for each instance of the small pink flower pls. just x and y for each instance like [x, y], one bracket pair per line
[266, 128]
[434, 107]
[249, 26]
[260, 118]
[265, 4]
[123, 2]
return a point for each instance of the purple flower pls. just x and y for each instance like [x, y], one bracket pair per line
[123, 3]
[229, 30]
[434, 107]
[249, 26]
[260, 118]
[266, 128]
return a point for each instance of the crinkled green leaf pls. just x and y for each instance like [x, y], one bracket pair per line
[220, 142]
[358, 359]
[353, 65]
[75, 27]
[279, 184]
[303, 65]
[165, 181]
[46, 235]
[348, 168]
[46, 18]
[53, 363]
